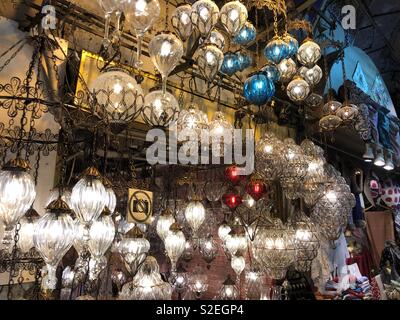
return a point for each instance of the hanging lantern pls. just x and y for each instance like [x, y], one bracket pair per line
[306, 243]
[89, 196]
[209, 60]
[198, 284]
[195, 213]
[205, 15]
[17, 193]
[228, 290]
[348, 112]
[248, 201]
[276, 50]
[287, 70]
[292, 43]
[220, 134]
[256, 189]
[214, 190]
[244, 60]
[174, 244]
[330, 122]
[140, 15]
[273, 248]
[298, 89]
[147, 284]
[232, 199]
[208, 249]
[160, 109]
[272, 72]
[312, 75]
[53, 236]
[268, 155]
[314, 100]
[233, 16]
[223, 231]
[165, 220]
[232, 174]
[230, 64]
[133, 247]
[191, 122]
[246, 35]
[238, 264]
[237, 241]
[55, 193]
[181, 21]
[101, 235]
[331, 107]
[165, 51]
[216, 38]
[27, 229]
[118, 97]
[309, 53]
[187, 253]
[258, 89]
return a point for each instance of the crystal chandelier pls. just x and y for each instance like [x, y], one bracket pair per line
[147, 284]
[53, 236]
[273, 248]
[17, 193]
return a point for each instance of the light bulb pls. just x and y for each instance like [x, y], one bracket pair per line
[165, 49]
[204, 13]
[141, 6]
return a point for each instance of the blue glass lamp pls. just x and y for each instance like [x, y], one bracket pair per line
[272, 72]
[230, 64]
[258, 89]
[246, 35]
[244, 60]
[292, 43]
[276, 50]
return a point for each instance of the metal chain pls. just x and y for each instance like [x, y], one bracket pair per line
[166, 14]
[257, 41]
[36, 167]
[132, 167]
[344, 76]
[13, 261]
[276, 23]
[180, 98]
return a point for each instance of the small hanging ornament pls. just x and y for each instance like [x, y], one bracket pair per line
[232, 174]
[232, 199]
[256, 188]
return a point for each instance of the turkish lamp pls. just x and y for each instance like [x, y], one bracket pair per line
[216, 38]
[198, 284]
[55, 193]
[165, 51]
[292, 43]
[331, 107]
[220, 134]
[134, 248]
[237, 240]
[118, 97]
[89, 196]
[204, 16]
[27, 229]
[298, 89]
[238, 264]
[174, 244]
[101, 235]
[208, 249]
[348, 112]
[147, 284]
[228, 290]
[368, 155]
[309, 53]
[17, 193]
[312, 75]
[209, 59]
[379, 157]
[330, 122]
[160, 108]
[389, 166]
[287, 69]
[53, 236]
[276, 50]
[233, 16]
[140, 16]
[195, 213]
[188, 252]
[181, 21]
[164, 222]
[223, 231]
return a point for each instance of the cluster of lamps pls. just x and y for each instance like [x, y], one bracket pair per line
[381, 157]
